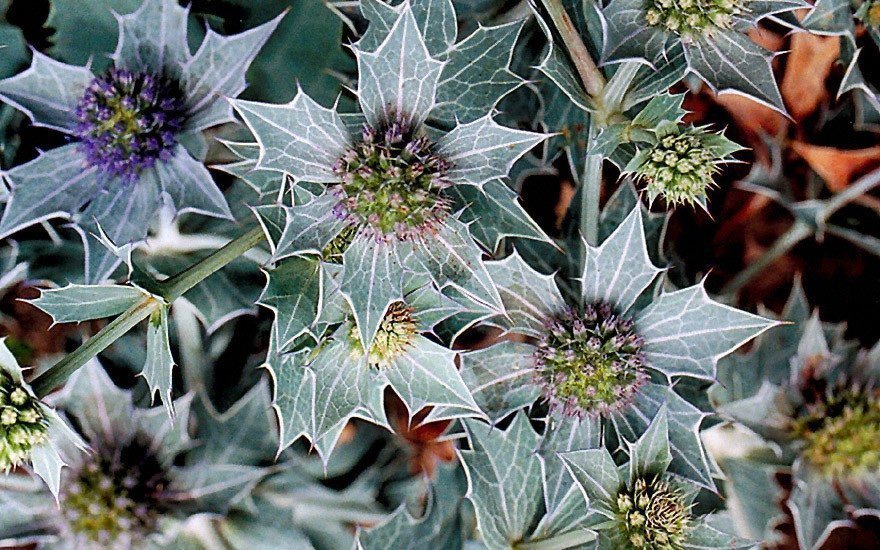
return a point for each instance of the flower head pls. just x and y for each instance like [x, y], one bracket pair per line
[693, 17]
[391, 183]
[840, 433]
[652, 514]
[589, 362]
[129, 120]
[869, 13]
[681, 165]
[395, 334]
[23, 423]
[116, 495]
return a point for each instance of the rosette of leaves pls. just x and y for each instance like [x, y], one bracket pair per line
[333, 377]
[393, 190]
[640, 504]
[32, 434]
[136, 130]
[711, 34]
[813, 398]
[142, 480]
[611, 353]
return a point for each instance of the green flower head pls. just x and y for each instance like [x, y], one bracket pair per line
[23, 423]
[396, 331]
[840, 434]
[650, 513]
[869, 13]
[681, 165]
[693, 17]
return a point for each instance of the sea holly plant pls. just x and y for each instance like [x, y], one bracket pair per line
[710, 33]
[641, 504]
[319, 388]
[614, 352]
[815, 406]
[135, 486]
[135, 131]
[393, 194]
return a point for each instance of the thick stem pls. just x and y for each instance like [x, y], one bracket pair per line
[798, 232]
[590, 75]
[169, 290]
[60, 371]
[176, 286]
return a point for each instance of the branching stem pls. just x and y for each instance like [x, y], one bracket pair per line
[169, 290]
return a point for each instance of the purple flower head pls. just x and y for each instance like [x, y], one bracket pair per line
[589, 363]
[391, 183]
[127, 121]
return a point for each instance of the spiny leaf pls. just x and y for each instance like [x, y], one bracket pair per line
[293, 292]
[75, 303]
[686, 332]
[529, 297]
[484, 150]
[500, 378]
[504, 476]
[301, 138]
[400, 77]
[619, 270]
[157, 369]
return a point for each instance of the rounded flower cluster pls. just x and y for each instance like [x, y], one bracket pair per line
[23, 424]
[840, 435]
[127, 121]
[693, 17]
[590, 362]
[115, 498]
[869, 13]
[395, 333]
[680, 168]
[651, 514]
[391, 183]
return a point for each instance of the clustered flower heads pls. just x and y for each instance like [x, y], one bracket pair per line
[129, 120]
[681, 166]
[693, 17]
[391, 183]
[590, 362]
[114, 496]
[840, 433]
[395, 333]
[23, 424]
[650, 513]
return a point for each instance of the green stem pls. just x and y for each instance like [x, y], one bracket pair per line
[176, 286]
[590, 75]
[591, 191]
[60, 371]
[796, 233]
[168, 290]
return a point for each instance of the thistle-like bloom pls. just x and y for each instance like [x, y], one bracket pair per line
[869, 13]
[31, 432]
[414, 190]
[814, 398]
[692, 18]
[142, 476]
[391, 184]
[127, 121]
[651, 513]
[840, 433]
[681, 165]
[23, 424]
[347, 379]
[135, 130]
[611, 356]
[646, 506]
[708, 37]
[590, 361]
